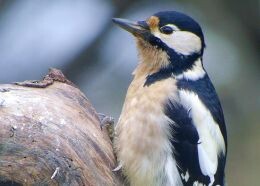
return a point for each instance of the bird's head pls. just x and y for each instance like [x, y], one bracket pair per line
[173, 38]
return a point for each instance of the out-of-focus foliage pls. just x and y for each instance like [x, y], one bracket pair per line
[79, 37]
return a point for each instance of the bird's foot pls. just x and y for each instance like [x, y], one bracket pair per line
[108, 122]
[105, 120]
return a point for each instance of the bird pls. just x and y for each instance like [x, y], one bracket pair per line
[171, 130]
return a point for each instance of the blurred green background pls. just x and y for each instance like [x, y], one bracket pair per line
[78, 37]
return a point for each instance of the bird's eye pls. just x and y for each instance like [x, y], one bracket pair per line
[166, 29]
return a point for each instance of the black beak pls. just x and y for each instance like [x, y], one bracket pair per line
[137, 28]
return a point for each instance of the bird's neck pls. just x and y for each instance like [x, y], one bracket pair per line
[196, 72]
[156, 64]
[151, 59]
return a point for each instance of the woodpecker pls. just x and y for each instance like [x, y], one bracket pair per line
[171, 130]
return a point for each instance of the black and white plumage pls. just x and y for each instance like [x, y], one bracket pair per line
[171, 130]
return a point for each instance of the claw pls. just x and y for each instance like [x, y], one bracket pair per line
[105, 120]
[118, 168]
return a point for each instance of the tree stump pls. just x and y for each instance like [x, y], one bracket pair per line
[50, 135]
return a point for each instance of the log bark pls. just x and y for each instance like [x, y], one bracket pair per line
[50, 135]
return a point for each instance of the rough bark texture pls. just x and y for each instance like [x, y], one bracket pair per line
[50, 135]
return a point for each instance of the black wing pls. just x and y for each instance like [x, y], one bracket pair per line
[207, 94]
[185, 136]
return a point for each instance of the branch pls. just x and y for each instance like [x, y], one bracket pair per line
[50, 135]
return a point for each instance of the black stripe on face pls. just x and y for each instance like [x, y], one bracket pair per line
[179, 63]
[173, 69]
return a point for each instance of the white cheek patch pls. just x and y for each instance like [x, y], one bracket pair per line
[182, 42]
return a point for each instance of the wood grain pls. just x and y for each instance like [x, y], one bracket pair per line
[51, 136]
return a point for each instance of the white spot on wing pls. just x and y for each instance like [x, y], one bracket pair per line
[186, 176]
[196, 183]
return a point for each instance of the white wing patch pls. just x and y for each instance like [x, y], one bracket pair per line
[186, 176]
[210, 136]
[196, 183]
[207, 167]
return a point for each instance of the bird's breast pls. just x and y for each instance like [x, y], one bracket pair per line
[142, 120]
[142, 131]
